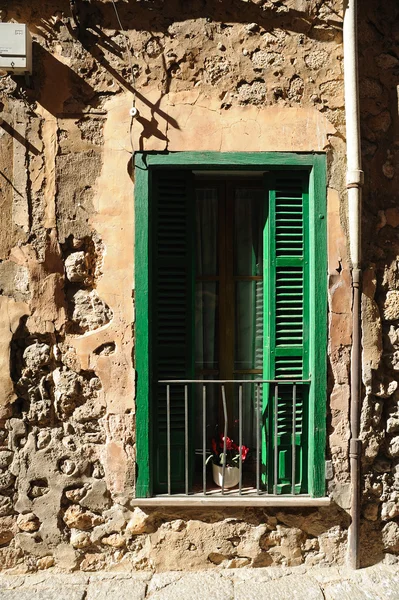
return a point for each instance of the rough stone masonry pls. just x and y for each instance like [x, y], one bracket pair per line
[259, 75]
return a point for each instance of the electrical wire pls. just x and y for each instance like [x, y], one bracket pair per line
[129, 48]
[130, 54]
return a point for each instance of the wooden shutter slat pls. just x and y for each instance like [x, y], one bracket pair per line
[172, 301]
[286, 322]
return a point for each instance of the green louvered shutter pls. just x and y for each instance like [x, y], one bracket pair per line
[172, 319]
[287, 326]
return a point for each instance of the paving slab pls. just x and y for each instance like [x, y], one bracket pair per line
[196, 586]
[46, 579]
[11, 582]
[292, 587]
[57, 579]
[120, 575]
[161, 580]
[383, 579]
[380, 582]
[347, 590]
[263, 574]
[327, 575]
[116, 589]
[40, 593]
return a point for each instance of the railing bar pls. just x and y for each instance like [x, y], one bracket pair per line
[186, 437]
[258, 409]
[275, 439]
[224, 436]
[168, 436]
[293, 437]
[204, 439]
[240, 434]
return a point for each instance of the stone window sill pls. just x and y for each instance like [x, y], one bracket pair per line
[234, 501]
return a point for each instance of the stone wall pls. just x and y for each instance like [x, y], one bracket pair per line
[379, 63]
[254, 75]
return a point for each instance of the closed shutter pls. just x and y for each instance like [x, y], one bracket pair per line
[287, 327]
[172, 319]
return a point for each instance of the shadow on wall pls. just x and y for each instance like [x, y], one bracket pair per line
[93, 41]
[18, 137]
[75, 93]
[158, 15]
[66, 93]
[57, 87]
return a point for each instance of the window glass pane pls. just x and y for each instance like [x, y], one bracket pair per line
[248, 231]
[248, 325]
[206, 231]
[206, 325]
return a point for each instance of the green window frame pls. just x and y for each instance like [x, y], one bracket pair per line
[314, 166]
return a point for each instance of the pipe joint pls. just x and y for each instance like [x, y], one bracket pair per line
[354, 178]
[356, 277]
[355, 448]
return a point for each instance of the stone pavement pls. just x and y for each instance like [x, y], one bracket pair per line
[380, 582]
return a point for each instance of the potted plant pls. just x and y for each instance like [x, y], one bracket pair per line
[229, 459]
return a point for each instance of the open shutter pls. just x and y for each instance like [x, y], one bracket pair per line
[287, 327]
[172, 319]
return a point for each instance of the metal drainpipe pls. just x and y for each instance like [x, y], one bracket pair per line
[354, 182]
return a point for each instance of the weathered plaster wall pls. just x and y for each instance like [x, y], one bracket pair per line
[228, 75]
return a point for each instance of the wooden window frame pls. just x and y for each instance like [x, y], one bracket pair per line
[315, 165]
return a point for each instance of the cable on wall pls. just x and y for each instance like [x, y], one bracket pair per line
[130, 53]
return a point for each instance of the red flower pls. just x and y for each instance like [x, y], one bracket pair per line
[230, 445]
[244, 452]
[232, 456]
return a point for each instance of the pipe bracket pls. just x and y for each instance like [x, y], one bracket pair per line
[356, 277]
[354, 178]
[355, 448]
